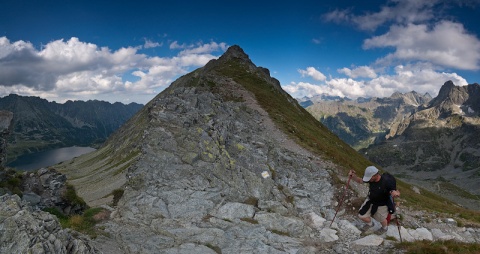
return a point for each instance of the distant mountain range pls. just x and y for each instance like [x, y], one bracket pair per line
[40, 125]
[362, 121]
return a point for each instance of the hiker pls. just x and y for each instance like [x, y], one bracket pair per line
[378, 203]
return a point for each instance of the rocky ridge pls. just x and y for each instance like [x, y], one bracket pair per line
[215, 175]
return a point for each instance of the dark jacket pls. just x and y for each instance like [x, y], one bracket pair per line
[379, 194]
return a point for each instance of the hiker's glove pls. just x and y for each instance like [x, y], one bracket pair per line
[395, 193]
[351, 173]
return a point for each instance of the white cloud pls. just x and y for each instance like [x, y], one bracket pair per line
[74, 69]
[446, 44]
[302, 89]
[312, 72]
[399, 12]
[419, 77]
[151, 44]
[204, 48]
[395, 11]
[359, 72]
[175, 45]
[338, 16]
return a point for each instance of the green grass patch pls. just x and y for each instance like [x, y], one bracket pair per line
[83, 223]
[62, 218]
[432, 202]
[440, 247]
[71, 196]
[444, 185]
[251, 201]
[12, 181]
[278, 232]
[117, 194]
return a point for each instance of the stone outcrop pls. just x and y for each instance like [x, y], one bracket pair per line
[23, 230]
[47, 188]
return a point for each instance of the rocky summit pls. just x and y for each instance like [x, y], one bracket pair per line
[216, 174]
[204, 168]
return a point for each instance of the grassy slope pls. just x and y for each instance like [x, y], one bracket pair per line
[97, 175]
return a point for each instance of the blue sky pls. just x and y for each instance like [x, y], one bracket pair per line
[129, 51]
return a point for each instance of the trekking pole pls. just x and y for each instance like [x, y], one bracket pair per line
[397, 219]
[341, 201]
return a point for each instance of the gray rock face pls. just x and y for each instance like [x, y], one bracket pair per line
[23, 230]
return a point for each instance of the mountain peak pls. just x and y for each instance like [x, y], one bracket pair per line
[446, 88]
[450, 94]
[235, 52]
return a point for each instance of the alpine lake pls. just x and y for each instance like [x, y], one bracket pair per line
[34, 161]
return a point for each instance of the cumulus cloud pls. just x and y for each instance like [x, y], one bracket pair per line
[359, 72]
[151, 44]
[312, 72]
[419, 77]
[72, 68]
[445, 44]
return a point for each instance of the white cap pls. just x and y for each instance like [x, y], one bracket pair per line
[369, 172]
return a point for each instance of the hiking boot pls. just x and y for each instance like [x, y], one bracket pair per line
[366, 227]
[381, 231]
